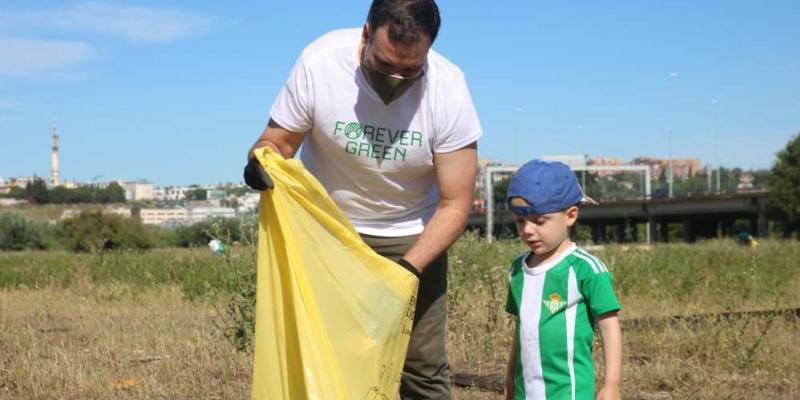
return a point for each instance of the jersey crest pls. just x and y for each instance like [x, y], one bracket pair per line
[554, 303]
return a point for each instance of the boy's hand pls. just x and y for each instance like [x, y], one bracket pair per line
[609, 391]
[508, 390]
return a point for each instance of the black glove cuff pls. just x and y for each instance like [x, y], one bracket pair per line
[256, 177]
[407, 265]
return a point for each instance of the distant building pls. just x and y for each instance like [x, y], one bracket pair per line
[139, 190]
[745, 183]
[124, 212]
[170, 193]
[181, 216]
[249, 202]
[681, 168]
[163, 216]
[572, 160]
[21, 181]
[199, 214]
[480, 179]
[159, 194]
[606, 162]
[215, 194]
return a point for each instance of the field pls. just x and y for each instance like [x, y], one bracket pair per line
[152, 325]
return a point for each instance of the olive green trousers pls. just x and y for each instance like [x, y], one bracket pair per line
[426, 374]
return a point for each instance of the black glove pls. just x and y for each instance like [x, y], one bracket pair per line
[256, 177]
[407, 265]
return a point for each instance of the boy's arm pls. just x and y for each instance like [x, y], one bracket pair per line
[611, 334]
[512, 362]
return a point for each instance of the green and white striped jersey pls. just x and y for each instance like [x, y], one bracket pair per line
[556, 304]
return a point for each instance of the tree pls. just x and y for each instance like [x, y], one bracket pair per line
[783, 197]
[20, 233]
[37, 191]
[500, 190]
[115, 193]
[18, 193]
[92, 231]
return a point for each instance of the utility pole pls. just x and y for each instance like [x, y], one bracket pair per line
[715, 103]
[670, 174]
[517, 110]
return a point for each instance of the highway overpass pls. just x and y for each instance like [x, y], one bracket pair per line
[700, 217]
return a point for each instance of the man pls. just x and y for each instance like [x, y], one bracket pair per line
[388, 127]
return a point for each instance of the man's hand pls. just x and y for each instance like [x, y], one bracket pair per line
[609, 391]
[256, 177]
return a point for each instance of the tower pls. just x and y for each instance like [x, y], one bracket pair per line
[55, 180]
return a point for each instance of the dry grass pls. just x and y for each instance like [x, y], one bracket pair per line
[76, 344]
[754, 357]
[116, 342]
[73, 338]
[749, 358]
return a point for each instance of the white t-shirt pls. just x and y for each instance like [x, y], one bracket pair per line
[375, 160]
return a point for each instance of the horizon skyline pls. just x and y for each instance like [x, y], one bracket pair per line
[629, 161]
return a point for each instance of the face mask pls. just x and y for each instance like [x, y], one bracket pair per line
[388, 87]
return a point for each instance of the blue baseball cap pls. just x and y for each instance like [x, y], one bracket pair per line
[548, 186]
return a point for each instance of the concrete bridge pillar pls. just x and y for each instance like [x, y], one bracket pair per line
[727, 228]
[597, 234]
[621, 233]
[664, 227]
[688, 230]
[763, 225]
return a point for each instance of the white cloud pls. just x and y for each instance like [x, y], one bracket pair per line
[137, 24]
[31, 56]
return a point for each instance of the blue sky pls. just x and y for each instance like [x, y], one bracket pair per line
[176, 92]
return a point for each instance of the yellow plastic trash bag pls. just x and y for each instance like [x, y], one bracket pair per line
[333, 317]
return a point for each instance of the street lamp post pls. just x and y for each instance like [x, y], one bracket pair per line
[715, 103]
[517, 110]
[579, 139]
[670, 173]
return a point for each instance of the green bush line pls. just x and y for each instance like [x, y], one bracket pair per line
[719, 270]
[93, 230]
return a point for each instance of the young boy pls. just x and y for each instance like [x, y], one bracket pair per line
[558, 293]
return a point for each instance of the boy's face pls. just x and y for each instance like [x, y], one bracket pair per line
[544, 233]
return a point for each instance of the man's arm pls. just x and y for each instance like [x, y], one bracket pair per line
[611, 334]
[281, 140]
[455, 176]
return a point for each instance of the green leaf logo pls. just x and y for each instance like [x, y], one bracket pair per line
[352, 130]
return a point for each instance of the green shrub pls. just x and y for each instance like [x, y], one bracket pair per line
[20, 233]
[199, 234]
[92, 231]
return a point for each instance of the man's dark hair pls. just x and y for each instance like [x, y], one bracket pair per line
[406, 20]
